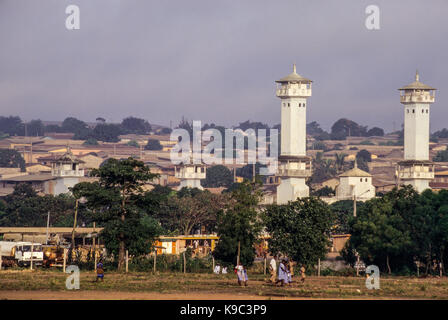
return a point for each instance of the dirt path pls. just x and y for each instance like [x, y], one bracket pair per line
[116, 295]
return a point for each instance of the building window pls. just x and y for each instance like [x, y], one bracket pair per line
[423, 111]
[413, 110]
[289, 105]
[427, 110]
[304, 105]
[360, 179]
[408, 110]
[366, 179]
[300, 105]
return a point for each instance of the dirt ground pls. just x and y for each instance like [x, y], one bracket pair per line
[51, 285]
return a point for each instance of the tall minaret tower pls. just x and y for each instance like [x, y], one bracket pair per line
[416, 169]
[190, 174]
[294, 166]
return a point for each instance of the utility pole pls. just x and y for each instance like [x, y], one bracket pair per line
[238, 257]
[48, 226]
[74, 224]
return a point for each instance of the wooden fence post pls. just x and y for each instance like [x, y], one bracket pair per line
[65, 260]
[32, 253]
[155, 259]
[185, 263]
[127, 261]
[265, 261]
[318, 267]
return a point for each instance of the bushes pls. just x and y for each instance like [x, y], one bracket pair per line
[171, 263]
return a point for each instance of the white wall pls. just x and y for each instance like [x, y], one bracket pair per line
[416, 131]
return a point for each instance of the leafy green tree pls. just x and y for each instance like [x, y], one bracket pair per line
[345, 127]
[188, 209]
[91, 142]
[10, 158]
[375, 131]
[442, 156]
[300, 229]
[24, 208]
[12, 126]
[364, 155]
[218, 176]
[78, 127]
[344, 213]
[153, 144]
[251, 125]
[115, 198]
[135, 125]
[35, 128]
[106, 132]
[133, 143]
[239, 225]
[380, 233]
[324, 192]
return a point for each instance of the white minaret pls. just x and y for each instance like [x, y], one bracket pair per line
[190, 175]
[294, 166]
[416, 169]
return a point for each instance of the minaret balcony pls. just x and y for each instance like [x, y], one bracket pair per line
[415, 175]
[291, 92]
[190, 175]
[417, 98]
[294, 173]
[67, 173]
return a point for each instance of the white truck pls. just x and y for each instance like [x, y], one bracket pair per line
[20, 253]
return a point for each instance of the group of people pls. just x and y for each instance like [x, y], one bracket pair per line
[218, 269]
[285, 272]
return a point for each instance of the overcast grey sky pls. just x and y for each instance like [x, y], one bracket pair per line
[216, 61]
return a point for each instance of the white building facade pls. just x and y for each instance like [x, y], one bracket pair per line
[355, 184]
[190, 175]
[294, 166]
[416, 169]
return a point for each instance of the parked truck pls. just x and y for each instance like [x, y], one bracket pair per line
[20, 253]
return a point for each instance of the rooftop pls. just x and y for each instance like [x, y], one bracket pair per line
[355, 172]
[294, 77]
[417, 85]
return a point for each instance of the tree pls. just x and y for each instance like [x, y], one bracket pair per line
[375, 131]
[153, 144]
[91, 142]
[135, 125]
[106, 132]
[73, 125]
[251, 125]
[364, 155]
[115, 197]
[188, 209]
[324, 192]
[343, 211]
[239, 225]
[52, 128]
[380, 233]
[12, 126]
[345, 127]
[218, 176]
[35, 128]
[10, 158]
[24, 208]
[442, 156]
[133, 143]
[300, 229]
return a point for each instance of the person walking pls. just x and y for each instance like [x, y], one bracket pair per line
[273, 270]
[241, 274]
[100, 271]
[302, 274]
[282, 274]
